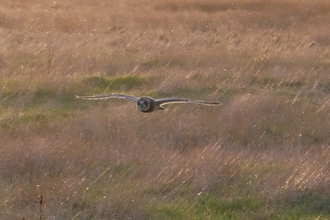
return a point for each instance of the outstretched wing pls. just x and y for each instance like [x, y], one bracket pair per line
[165, 101]
[108, 96]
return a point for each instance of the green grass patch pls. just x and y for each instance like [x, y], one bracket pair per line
[227, 94]
[31, 117]
[37, 117]
[209, 207]
[59, 99]
[234, 208]
[41, 95]
[11, 88]
[168, 212]
[292, 84]
[306, 204]
[275, 83]
[180, 187]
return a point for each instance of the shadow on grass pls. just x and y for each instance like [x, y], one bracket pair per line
[216, 6]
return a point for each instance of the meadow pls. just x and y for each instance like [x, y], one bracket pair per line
[264, 153]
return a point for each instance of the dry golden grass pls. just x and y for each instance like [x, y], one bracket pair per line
[263, 154]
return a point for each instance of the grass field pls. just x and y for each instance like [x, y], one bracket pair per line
[263, 154]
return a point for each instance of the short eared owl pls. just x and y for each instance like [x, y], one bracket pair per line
[147, 104]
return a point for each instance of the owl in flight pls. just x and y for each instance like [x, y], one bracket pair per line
[147, 104]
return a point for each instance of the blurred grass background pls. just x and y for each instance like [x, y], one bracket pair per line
[263, 154]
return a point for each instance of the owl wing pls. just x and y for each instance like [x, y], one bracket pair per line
[108, 96]
[165, 101]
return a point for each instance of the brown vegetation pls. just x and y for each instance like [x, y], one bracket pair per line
[266, 61]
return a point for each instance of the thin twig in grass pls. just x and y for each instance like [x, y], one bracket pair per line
[1, 66]
[50, 59]
[74, 217]
[41, 203]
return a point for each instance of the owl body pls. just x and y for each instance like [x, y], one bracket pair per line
[147, 104]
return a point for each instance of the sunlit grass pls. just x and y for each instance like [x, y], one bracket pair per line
[262, 154]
